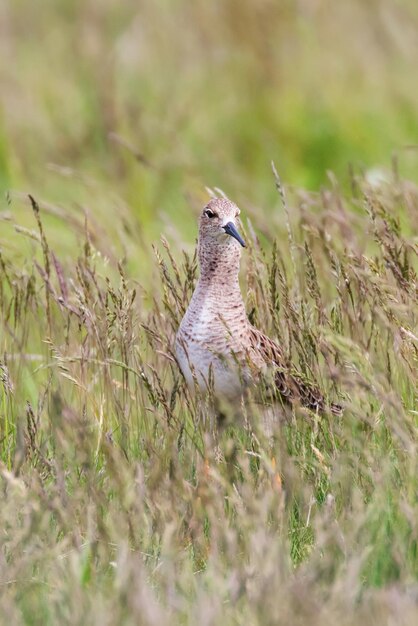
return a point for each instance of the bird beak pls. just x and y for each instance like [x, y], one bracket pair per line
[231, 229]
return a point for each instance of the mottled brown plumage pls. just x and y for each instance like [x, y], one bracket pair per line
[216, 345]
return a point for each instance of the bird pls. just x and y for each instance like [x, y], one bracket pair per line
[217, 348]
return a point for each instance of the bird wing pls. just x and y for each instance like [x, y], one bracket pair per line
[291, 386]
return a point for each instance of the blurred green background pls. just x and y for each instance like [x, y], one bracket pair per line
[139, 105]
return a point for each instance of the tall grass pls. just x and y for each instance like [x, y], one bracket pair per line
[120, 504]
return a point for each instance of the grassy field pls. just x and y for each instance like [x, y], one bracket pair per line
[119, 503]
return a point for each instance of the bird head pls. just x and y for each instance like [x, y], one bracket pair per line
[218, 223]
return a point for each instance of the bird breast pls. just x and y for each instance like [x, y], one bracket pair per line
[210, 346]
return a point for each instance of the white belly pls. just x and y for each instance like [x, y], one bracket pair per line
[203, 368]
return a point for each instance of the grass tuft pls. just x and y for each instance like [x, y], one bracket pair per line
[122, 504]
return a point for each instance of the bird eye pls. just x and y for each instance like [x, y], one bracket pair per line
[210, 213]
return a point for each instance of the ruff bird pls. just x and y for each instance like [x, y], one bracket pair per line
[216, 345]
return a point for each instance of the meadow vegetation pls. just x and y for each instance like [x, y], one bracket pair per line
[120, 503]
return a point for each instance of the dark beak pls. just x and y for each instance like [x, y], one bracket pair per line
[231, 229]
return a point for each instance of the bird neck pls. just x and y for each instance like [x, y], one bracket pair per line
[219, 265]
